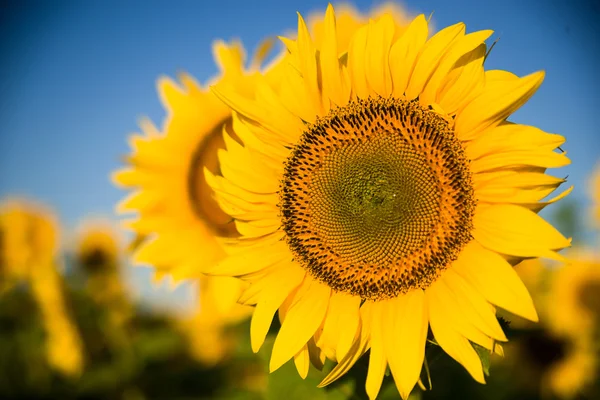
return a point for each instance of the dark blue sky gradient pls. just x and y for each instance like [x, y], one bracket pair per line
[75, 77]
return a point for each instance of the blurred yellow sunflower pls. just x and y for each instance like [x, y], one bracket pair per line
[97, 253]
[551, 364]
[217, 311]
[385, 184]
[27, 237]
[572, 373]
[29, 252]
[575, 294]
[97, 248]
[177, 217]
[558, 358]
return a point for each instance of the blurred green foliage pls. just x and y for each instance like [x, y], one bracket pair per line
[145, 359]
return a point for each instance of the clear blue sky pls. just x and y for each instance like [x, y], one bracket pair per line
[75, 77]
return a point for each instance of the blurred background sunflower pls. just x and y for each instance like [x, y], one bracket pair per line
[78, 320]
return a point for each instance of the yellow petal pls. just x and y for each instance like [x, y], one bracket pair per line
[171, 94]
[464, 82]
[460, 48]
[449, 339]
[379, 40]
[193, 88]
[348, 322]
[308, 64]
[538, 206]
[406, 324]
[332, 79]
[404, 52]
[514, 230]
[258, 228]
[520, 158]
[301, 360]
[285, 123]
[221, 185]
[229, 58]
[430, 57]
[341, 323]
[510, 137]
[359, 347]
[377, 357]
[277, 287]
[498, 75]
[495, 279]
[497, 101]
[460, 321]
[251, 260]
[288, 126]
[261, 54]
[356, 63]
[304, 316]
[153, 252]
[140, 200]
[515, 179]
[473, 305]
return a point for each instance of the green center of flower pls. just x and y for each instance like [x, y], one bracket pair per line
[201, 195]
[369, 200]
[377, 198]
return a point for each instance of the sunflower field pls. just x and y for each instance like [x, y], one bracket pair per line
[295, 201]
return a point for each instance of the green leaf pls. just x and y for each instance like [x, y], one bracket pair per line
[484, 354]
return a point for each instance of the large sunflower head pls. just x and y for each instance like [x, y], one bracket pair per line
[176, 213]
[384, 183]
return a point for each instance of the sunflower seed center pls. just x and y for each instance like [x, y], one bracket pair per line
[377, 198]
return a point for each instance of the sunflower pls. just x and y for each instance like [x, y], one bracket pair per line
[29, 255]
[385, 184]
[97, 254]
[575, 294]
[97, 248]
[15, 251]
[575, 372]
[551, 364]
[177, 218]
[558, 358]
[573, 312]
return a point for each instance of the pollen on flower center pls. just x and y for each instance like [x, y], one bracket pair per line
[377, 198]
[200, 193]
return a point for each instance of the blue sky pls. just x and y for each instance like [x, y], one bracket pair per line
[75, 78]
